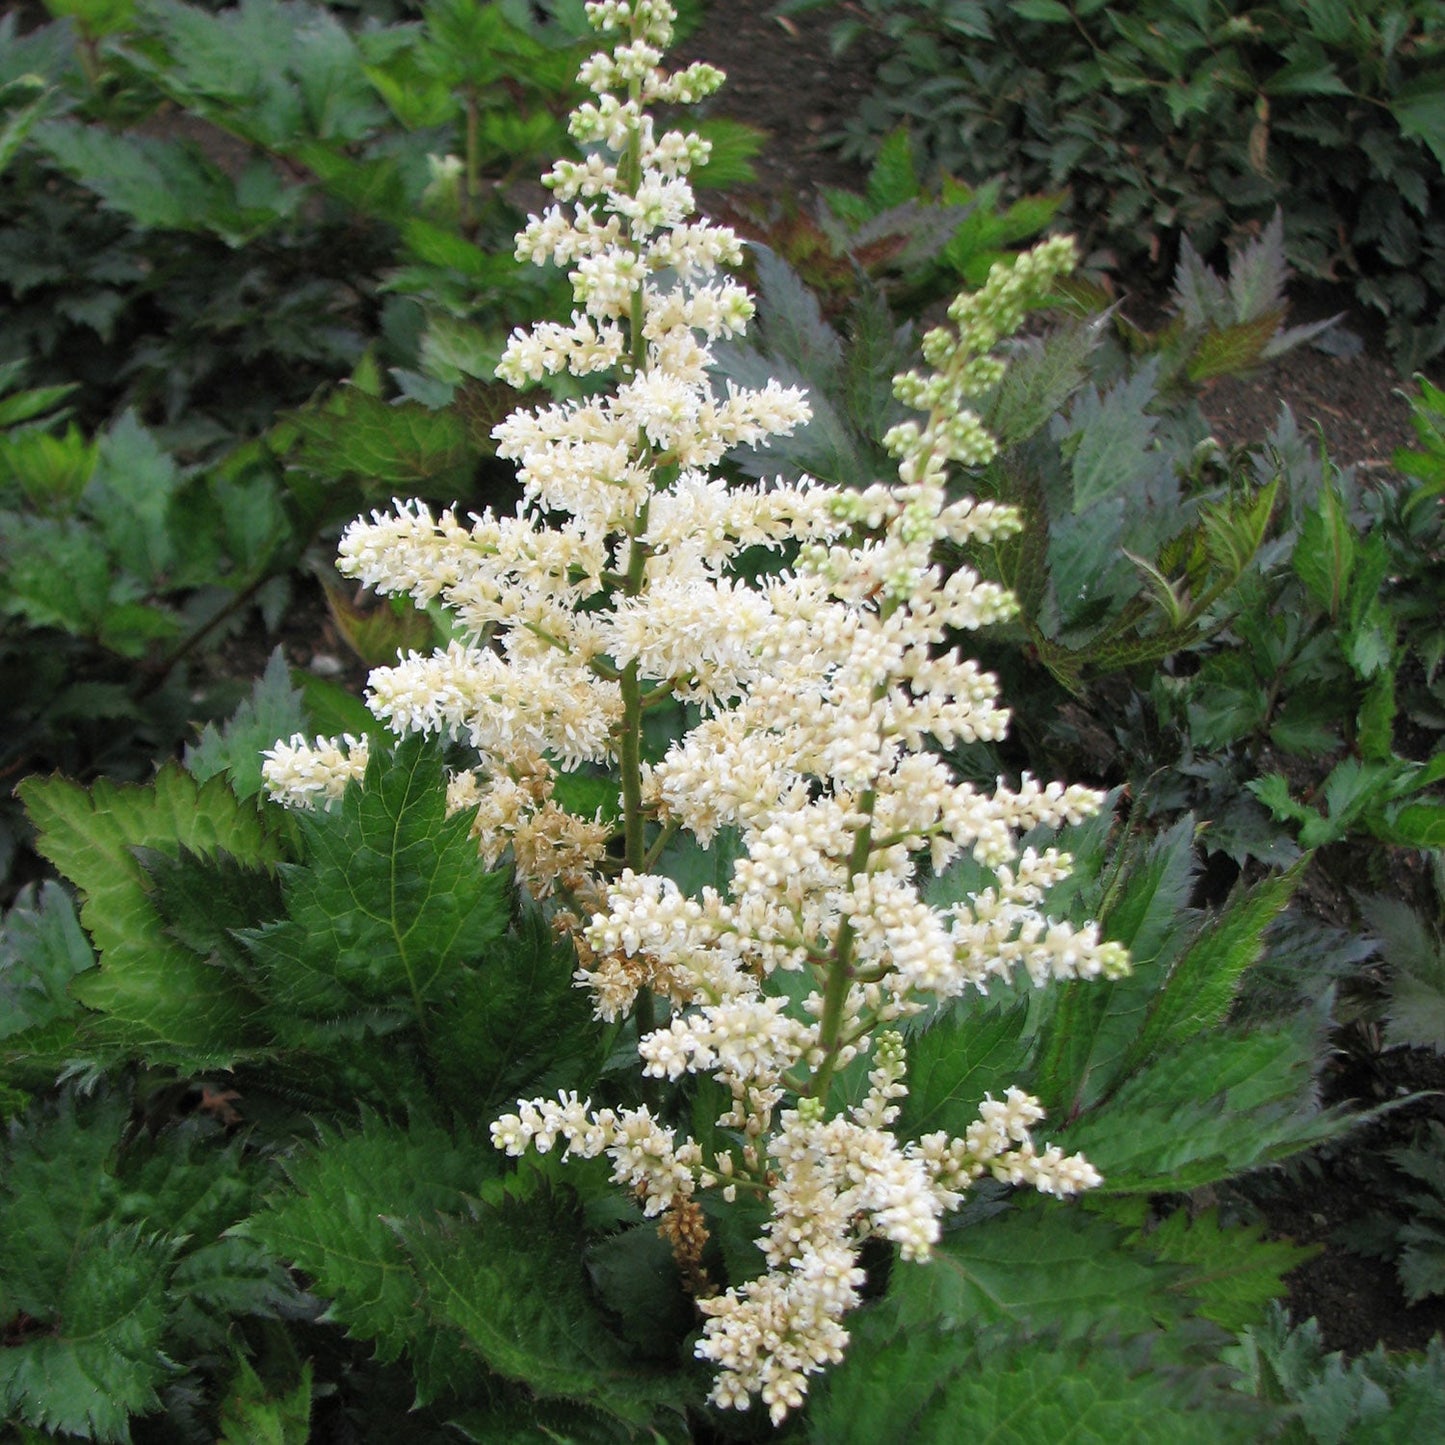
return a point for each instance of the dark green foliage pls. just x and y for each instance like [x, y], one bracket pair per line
[1146, 1075]
[1404, 1224]
[1014, 1390]
[334, 1224]
[114, 1262]
[1167, 119]
[277, 1215]
[1377, 1399]
[389, 1224]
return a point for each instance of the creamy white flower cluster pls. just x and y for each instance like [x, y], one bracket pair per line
[825, 694]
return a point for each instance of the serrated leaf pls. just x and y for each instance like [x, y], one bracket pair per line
[1324, 556]
[57, 573]
[1416, 825]
[1257, 276]
[1091, 1027]
[510, 1279]
[1199, 297]
[1233, 1273]
[1041, 377]
[42, 948]
[58, 1182]
[637, 1282]
[255, 1414]
[1232, 349]
[1199, 989]
[518, 1023]
[1081, 581]
[1415, 957]
[893, 179]
[922, 1386]
[163, 184]
[1377, 1399]
[204, 901]
[396, 444]
[334, 1225]
[130, 493]
[1054, 1269]
[273, 711]
[953, 1064]
[383, 632]
[1112, 436]
[1419, 108]
[791, 323]
[391, 900]
[102, 1358]
[158, 997]
[1216, 1106]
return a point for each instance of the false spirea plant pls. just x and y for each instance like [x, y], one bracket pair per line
[824, 692]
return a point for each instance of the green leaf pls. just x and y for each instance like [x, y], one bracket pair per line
[24, 406]
[205, 901]
[1048, 12]
[57, 573]
[1233, 1273]
[159, 998]
[21, 121]
[1041, 377]
[1325, 553]
[101, 1356]
[130, 494]
[954, 1063]
[893, 179]
[1419, 107]
[58, 1182]
[42, 948]
[1415, 1011]
[1417, 825]
[52, 471]
[379, 631]
[1090, 1027]
[1216, 1106]
[1199, 989]
[516, 1023]
[336, 1224]
[401, 444]
[254, 1414]
[1111, 437]
[923, 1385]
[272, 713]
[510, 1278]
[157, 183]
[791, 324]
[332, 711]
[1376, 1399]
[393, 897]
[1308, 72]
[96, 18]
[1232, 349]
[637, 1281]
[1053, 1268]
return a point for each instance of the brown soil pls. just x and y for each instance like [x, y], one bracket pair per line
[784, 79]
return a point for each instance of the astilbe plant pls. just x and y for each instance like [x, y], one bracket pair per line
[822, 691]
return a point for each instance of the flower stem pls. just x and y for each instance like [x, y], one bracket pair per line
[841, 972]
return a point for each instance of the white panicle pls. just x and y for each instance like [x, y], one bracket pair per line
[826, 692]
